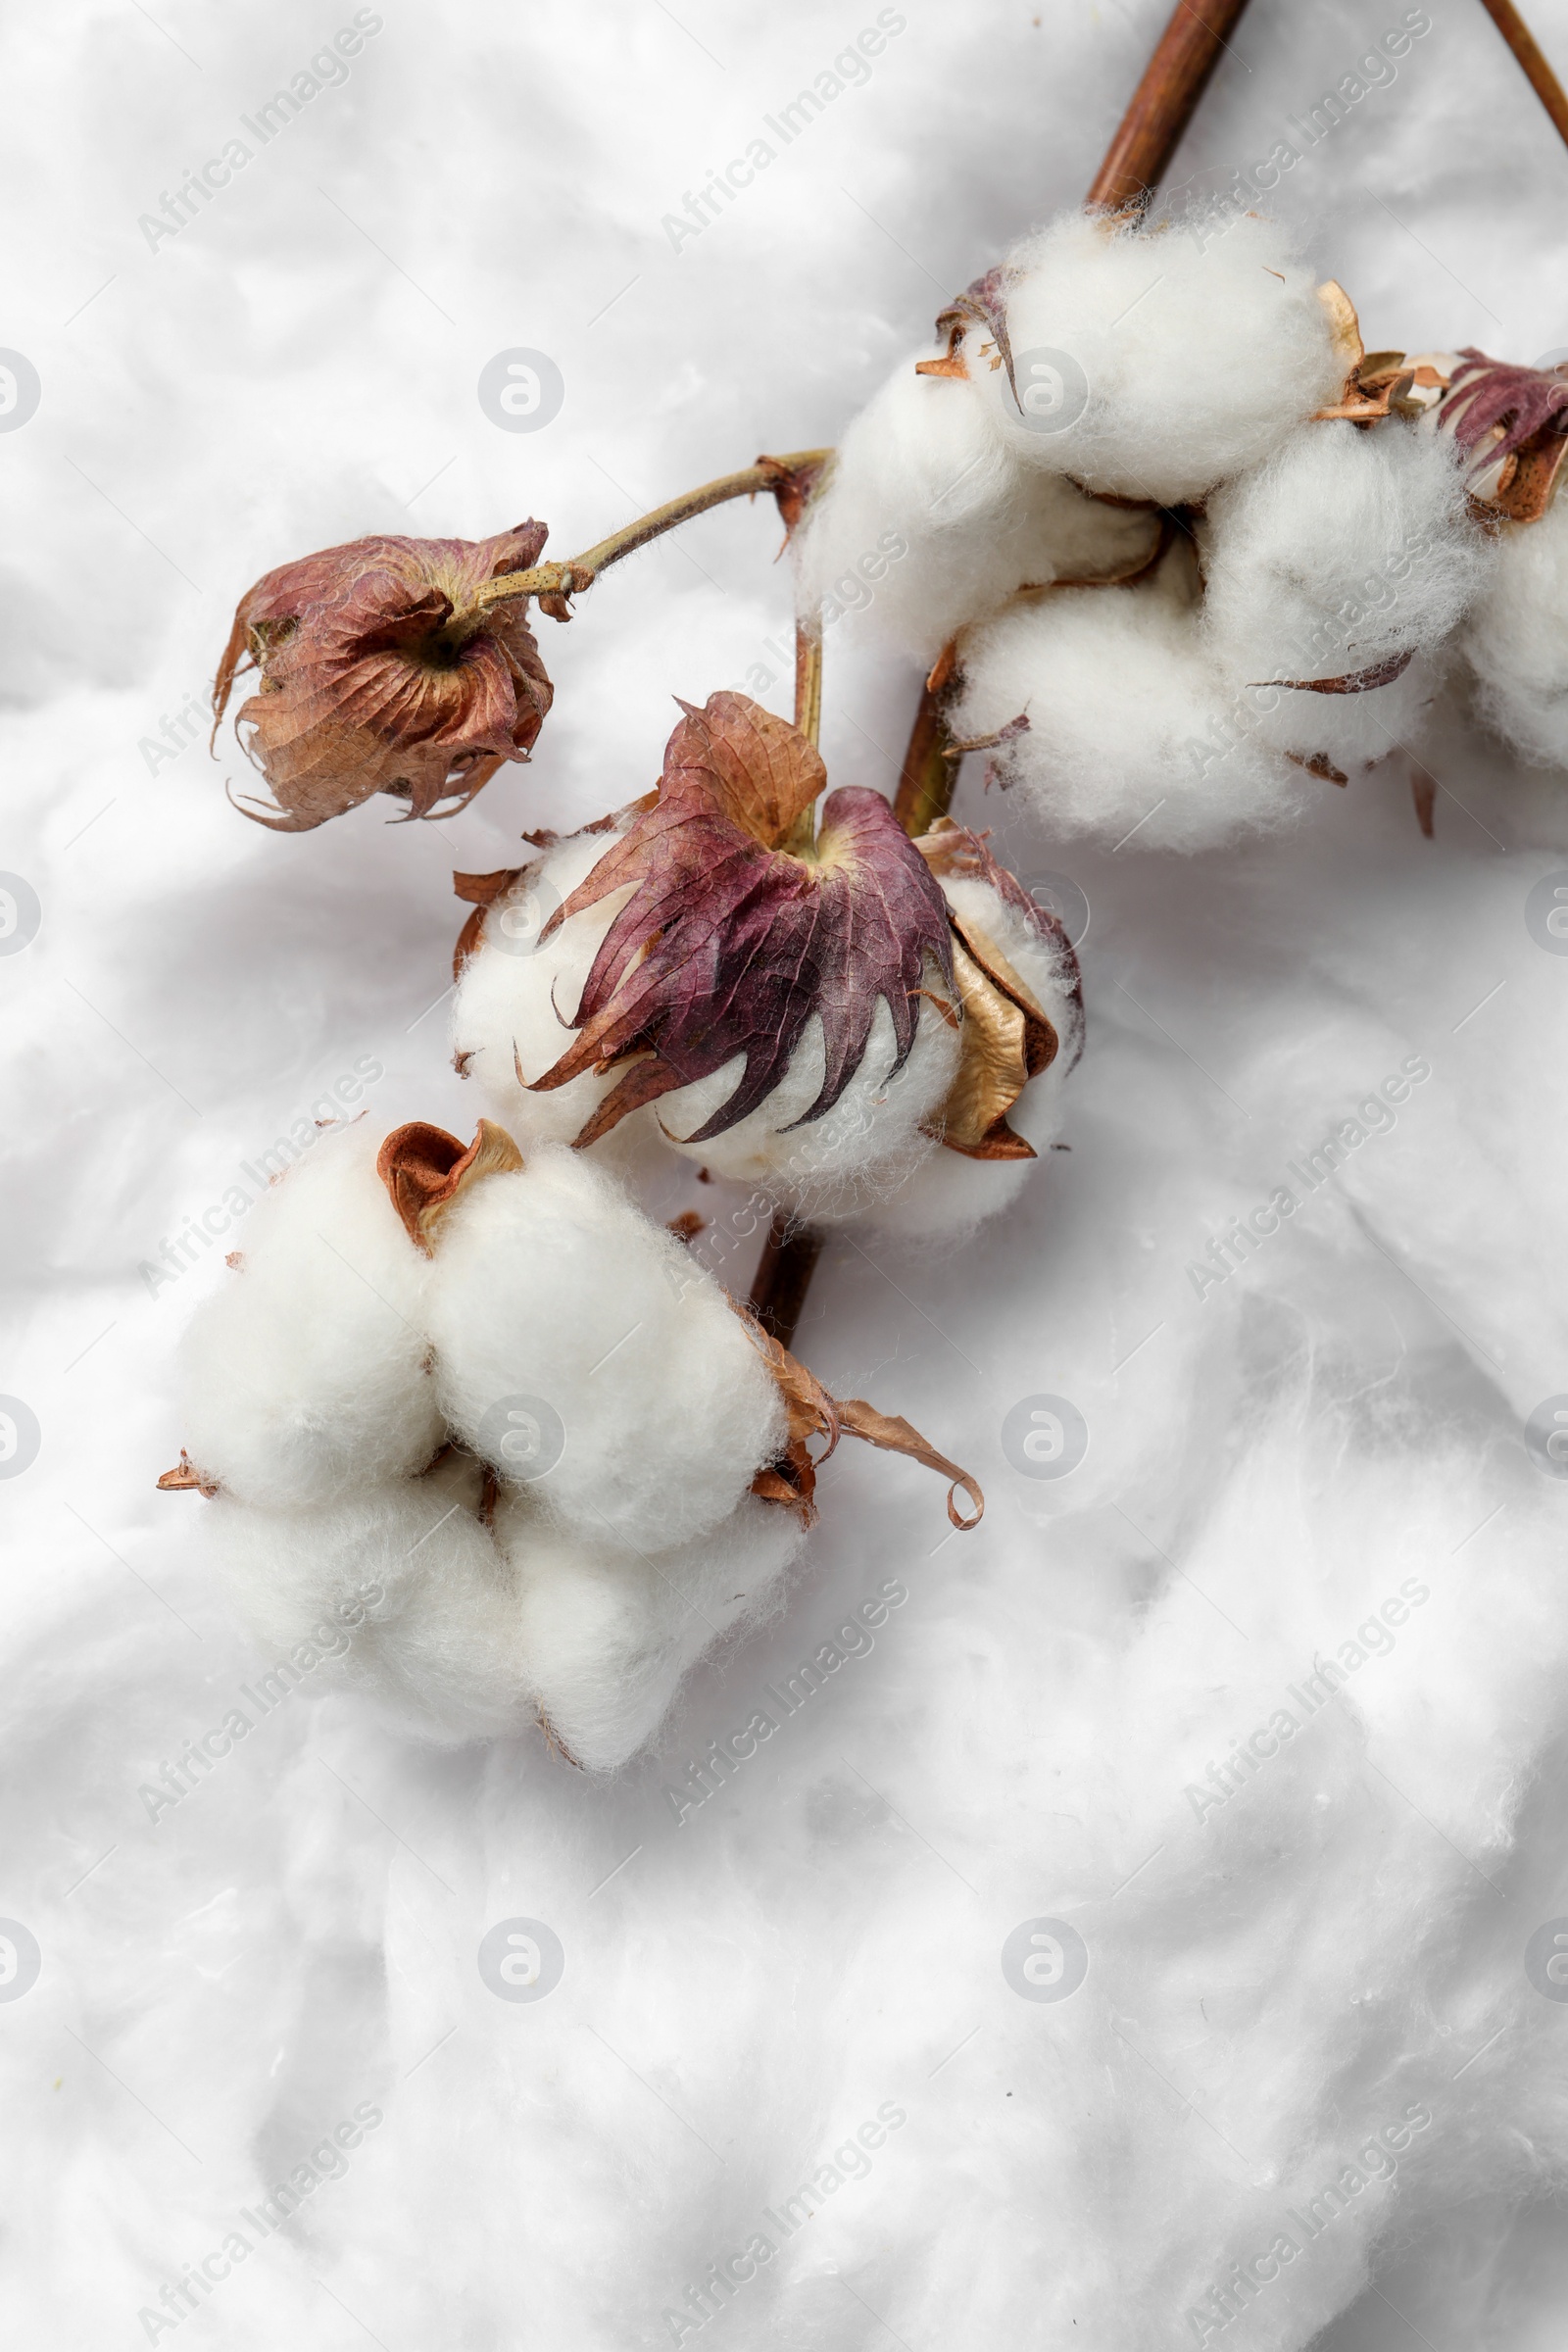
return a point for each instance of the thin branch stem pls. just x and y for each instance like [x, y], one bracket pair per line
[579, 572]
[1522, 41]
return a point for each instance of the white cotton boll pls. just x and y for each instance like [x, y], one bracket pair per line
[1516, 640]
[609, 1634]
[579, 1350]
[1156, 363]
[1133, 731]
[1346, 549]
[927, 520]
[397, 1591]
[514, 990]
[833, 1166]
[304, 1375]
[950, 1193]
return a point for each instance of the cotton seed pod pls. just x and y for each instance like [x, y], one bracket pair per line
[609, 1634]
[394, 1589]
[1334, 573]
[926, 519]
[578, 1349]
[385, 667]
[305, 1373]
[518, 991]
[457, 1629]
[1147, 363]
[779, 988]
[1022, 1036]
[1107, 713]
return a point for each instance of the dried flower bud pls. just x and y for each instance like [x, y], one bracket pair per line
[743, 925]
[384, 669]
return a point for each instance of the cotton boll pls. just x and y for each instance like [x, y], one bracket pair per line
[513, 991]
[1515, 640]
[609, 1632]
[1154, 365]
[949, 1194]
[305, 1374]
[581, 1352]
[927, 521]
[398, 1591]
[1133, 731]
[830, 1168]
[1347, 550]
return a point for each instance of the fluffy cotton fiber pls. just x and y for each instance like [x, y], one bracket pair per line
[1156, 363]
[1347, 547]
[518, 991]
[1515, 641]
[574, 1349]
[303, 1374]
[927, 521]
[1133, 731]
[464, 1632]
[644, 1398]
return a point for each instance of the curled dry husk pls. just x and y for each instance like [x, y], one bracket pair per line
[813, 1413]
[382, 670]
[1007, 1038]
[743, 923]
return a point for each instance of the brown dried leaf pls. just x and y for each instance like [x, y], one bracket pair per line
[812, 1412]
[895, 1435]
[381, 671]
[1319, 764]
[1360, 681]
[425, 1171]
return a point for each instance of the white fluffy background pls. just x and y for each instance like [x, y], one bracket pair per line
[299, 1934]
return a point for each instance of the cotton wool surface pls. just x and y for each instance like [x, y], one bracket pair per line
[781, 1982]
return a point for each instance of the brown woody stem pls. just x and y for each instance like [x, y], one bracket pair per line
[1162, 105]
[579, 572]
[783, 1272]
[1522, 41]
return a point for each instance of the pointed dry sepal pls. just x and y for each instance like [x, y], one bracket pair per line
[425, 1171]
[743, 924]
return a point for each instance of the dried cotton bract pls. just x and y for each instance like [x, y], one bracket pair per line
[774, 980]
[1023, 1032]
